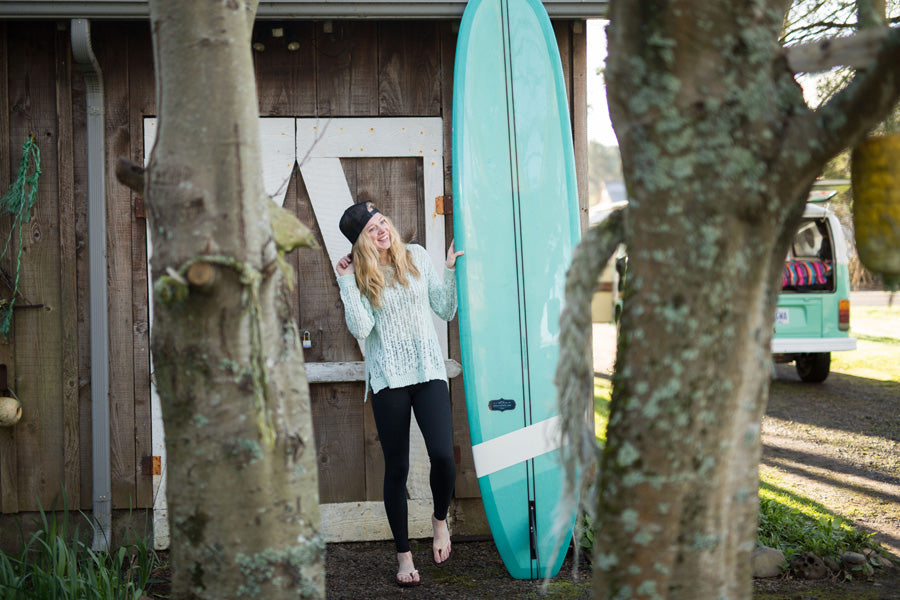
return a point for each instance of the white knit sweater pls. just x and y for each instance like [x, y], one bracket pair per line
[401, 343]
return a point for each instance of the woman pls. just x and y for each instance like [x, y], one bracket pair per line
[389, 290]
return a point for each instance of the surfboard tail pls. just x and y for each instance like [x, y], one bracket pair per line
[522, 504]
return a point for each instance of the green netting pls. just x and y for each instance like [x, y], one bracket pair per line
[18, 202]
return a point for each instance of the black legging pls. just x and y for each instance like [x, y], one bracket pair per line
[431, 403]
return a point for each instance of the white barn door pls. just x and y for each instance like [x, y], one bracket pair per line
[318, 145]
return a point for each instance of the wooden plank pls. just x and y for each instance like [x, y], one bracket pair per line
[329, 196]
[367, 138]
[160, 502]
[349, 167]
[409, 69]
[367, 521]
[39, 438]
[285, 78]
[112, 55]
[578, 108]
[277, 136]
[6, 158]
[337, 372]
[347, 69]
[142, 101]
[337, 411]
[9, 501]
[68, 299]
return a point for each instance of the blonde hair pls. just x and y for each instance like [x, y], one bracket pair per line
[369, 277]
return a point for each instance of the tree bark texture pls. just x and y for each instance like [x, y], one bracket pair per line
[719, 153]
[242, 480]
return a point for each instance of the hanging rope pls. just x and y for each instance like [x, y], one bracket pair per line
[18, 202]
[575, 371]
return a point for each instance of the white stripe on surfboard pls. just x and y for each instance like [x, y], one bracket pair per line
[516, 446]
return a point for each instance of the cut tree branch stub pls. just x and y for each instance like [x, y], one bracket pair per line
[130, 174]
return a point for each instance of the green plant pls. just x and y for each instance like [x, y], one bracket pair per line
[794, 525]
[56, 563]
[586, 539]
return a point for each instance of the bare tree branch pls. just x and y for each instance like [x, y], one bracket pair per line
[852, 51]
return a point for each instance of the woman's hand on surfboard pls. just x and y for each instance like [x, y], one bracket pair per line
[452, 255]
[345, 265]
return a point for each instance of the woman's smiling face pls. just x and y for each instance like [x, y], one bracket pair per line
[379, 232]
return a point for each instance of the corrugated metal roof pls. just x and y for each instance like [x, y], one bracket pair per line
[289, 9]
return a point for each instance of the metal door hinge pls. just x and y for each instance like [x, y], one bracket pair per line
[443, 205]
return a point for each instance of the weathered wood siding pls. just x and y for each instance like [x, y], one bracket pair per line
[355, 69]
[42, 453]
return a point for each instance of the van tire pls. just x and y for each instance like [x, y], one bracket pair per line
[813, 368]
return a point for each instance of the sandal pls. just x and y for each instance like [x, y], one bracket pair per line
[449, 548]
[412, 582]
[443, 563]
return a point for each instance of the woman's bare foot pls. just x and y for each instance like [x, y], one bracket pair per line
[407, 575]
[441, 550]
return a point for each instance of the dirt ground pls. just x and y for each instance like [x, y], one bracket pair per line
[475, 572]
[837, 443]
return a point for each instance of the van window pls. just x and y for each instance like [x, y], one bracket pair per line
[810, 262]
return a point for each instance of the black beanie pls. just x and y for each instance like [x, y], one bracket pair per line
[355, 218]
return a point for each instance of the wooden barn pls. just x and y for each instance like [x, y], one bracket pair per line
[371, 83]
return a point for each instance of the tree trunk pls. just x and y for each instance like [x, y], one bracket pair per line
[719, 152]
[242, 480]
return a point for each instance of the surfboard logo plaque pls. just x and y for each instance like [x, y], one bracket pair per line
[502, 404]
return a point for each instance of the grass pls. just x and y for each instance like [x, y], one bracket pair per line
[877, 330]
[602, 393]
[879, 321]
[56, 564]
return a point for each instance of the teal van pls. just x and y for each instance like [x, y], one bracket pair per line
[813, 315]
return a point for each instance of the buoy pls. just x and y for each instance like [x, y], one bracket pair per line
[875, 176]
[10, 411]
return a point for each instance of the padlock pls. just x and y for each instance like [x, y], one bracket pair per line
[307, 340]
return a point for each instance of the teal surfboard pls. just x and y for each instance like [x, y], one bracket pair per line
[515, 213]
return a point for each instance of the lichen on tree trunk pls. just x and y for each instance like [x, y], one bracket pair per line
[242, 481]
